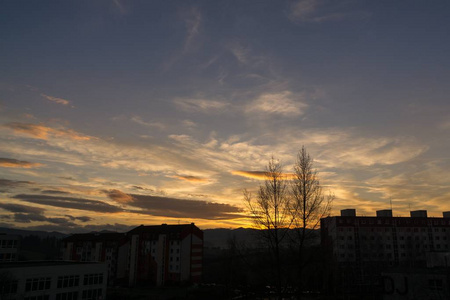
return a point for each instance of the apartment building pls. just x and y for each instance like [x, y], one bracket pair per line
[95, 247]
[164, 254]
[363, 248]
[384, 238]
[146, 255]
[52, 280]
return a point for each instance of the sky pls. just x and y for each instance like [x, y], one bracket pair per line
[120, 113]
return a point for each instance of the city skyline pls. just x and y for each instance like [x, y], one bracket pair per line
[120, 113]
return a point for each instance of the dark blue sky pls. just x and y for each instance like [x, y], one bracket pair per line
[185, 99]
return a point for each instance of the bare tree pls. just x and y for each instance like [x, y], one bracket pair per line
[309, 205]
[270, 211]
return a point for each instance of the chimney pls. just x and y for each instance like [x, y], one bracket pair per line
[419, 214]
[384, 213]
[350, 212]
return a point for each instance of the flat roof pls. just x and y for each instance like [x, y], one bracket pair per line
[43, 263]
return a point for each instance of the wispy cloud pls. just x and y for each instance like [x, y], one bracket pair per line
[192, 19]
[259, 175]
[319, 11]
[14, 163]
[56, 99]
[43, 132]
[283, 103]
[120, 7]
[201, 105]
[191, 178]
[303, 9]
[138, 120]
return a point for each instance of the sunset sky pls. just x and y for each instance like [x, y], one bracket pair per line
[121, 113]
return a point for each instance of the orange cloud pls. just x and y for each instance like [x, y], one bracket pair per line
[43, 132]
[119, 196]
[14, 163]
[259, 175]
[56, 100]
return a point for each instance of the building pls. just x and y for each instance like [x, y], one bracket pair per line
[165, 254]
[364, 247]
[52, 280]
[146, 255]
[9, 247]
[95, 247]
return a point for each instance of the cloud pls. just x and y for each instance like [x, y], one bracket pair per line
[120, 7]
[55, 192]
[43, 132]
[82, 229]
[14, 183]
[14, 163]
[189, 123]
[260, 175]
[28, 214]
[191, 178]
[318, 11]
[56, 100]
[303, 9]
[82, 218]
[119, 196]
[70, 202]
[201, 105]
[139, 121]
[282, 103]
[193, 19]
[176, 208]
[183, 208]
[19, 208]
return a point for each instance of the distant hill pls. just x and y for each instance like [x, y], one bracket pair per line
[40, 234]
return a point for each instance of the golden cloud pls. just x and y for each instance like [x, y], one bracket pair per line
[43, 132]
[14, 163]
[259, 175]
[119, 196]
[190, 178]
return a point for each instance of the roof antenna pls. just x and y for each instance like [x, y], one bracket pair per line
[390, 199]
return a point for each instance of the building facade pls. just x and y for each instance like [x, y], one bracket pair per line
[95, 247]
[9, 247]
[52, 280]
[384, 238]
[362, 247]
[146, 255]
[165, 254]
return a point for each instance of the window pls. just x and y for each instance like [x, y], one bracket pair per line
[67, 296]
[9, 287]
[91, 294]
[40, 297]
[68, 281]
[37, 284]
[435, 284]
[91, 279]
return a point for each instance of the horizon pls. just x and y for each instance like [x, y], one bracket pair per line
[114, 113]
